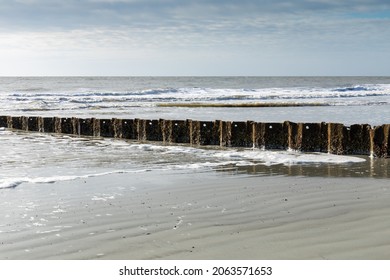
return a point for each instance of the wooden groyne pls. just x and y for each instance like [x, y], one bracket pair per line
[335, 138]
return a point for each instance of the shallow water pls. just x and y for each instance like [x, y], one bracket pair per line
[46, 158]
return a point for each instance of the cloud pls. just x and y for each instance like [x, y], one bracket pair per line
[55, 14]
[196, 34]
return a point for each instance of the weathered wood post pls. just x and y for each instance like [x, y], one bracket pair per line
[359, 142]
[380, 141]
[194, 127]
[3, 121]
[106, 128]
[129, 129]
[178, 131]
[40, 124]
[48, 125]
[86, 127]
[312, 137]
[31, 124]
[276, 136]
[209, 133]
[336, 138]
[66, 126]
[16, 123]
[294, 138]
[241, 134]
[153, 130]
[259, 137]
[140, 125]
[117, 127]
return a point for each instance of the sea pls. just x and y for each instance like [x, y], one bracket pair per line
[37, 158]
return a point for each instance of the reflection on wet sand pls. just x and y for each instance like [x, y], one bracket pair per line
[371, 168]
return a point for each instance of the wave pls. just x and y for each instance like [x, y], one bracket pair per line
[289, 157]
[113, 102]
[11, 183]
[214, 93]
[34, 93]
[355, 88]
[219, 157]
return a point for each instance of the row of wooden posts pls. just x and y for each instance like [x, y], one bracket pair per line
[335, 138]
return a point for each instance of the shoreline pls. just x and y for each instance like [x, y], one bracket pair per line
[206, 215]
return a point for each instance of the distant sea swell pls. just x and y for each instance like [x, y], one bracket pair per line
[78, 93]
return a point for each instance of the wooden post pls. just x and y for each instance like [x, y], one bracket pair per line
[209, 133]
[294, 135]
[48, 125]
[312, 137]
[178, 131]
[3, 121]
[32, 124]
[117, 128]
[106, 128]
[241, 134]
[259, 135]
[336, 138]
[380, 140]
[129, 129]
[194, 127]
[86, 127]
[359, 142]
[16, 123]
[275, 136]
[153, 130]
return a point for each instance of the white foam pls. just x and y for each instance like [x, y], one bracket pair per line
[207, 157]
[14, 182]
[286, 157]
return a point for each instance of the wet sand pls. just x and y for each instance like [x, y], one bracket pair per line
[210, 215]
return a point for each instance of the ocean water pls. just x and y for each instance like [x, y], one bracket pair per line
[44, 158]
[346, 99]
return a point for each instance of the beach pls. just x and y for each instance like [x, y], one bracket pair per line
[212, 215]
[202, 138]
[88, 197]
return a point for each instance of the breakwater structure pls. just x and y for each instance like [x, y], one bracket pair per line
[334, 138]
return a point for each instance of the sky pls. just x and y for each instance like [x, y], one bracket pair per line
[194, 38]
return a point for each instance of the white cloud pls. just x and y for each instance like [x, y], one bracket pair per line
[184, 37]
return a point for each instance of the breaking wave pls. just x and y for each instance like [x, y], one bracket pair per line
[116, 101]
